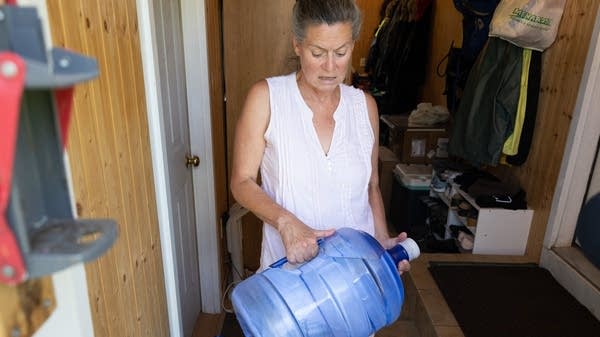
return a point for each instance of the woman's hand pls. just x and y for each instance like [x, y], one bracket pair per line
[300, 241]
[388, 243]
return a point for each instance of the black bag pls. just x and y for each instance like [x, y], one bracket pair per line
[477, 15]
[456, 73]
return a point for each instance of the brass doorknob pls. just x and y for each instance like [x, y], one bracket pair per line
[192, 161]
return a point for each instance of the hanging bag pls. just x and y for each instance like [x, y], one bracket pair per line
[527, 23]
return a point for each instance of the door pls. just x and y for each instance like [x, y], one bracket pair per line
[256, 44]
[179, 160]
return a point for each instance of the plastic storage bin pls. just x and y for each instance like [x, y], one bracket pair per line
[407, 212]
[351, 288]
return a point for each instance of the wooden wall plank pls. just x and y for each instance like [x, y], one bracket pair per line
[81, 134]
[114, 270]
[149, 257]
[112, 175]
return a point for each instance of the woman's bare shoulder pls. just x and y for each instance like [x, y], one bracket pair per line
[255, 113]
[258, 91]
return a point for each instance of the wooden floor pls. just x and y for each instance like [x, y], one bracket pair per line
[208, 325]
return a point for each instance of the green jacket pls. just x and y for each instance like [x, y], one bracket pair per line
[486, 114]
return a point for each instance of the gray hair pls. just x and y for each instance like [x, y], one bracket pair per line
[316, 12]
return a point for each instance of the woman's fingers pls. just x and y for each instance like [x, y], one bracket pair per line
[323, 233]
[301, 242]
[403, 266]
[401, 237]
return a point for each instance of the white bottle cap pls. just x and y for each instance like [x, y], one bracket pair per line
[412, 248]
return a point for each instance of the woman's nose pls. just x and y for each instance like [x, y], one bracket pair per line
[329, 63]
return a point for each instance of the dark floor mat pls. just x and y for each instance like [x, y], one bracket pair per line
[500, 300]
[231, 327]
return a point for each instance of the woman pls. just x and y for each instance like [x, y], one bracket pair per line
[314, 140]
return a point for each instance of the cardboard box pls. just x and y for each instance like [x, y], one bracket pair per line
[387, 163]
[415, 144]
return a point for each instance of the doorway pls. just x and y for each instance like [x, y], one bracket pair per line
[173, 43]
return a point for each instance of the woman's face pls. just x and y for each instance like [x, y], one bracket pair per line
[325, 54]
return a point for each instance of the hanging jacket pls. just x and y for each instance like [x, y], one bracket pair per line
[486, 114]
[533, 93]
[396, 62]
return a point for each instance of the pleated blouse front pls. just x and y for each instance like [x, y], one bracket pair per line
[324, 190]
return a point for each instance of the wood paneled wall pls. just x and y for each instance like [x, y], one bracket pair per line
[111, 166]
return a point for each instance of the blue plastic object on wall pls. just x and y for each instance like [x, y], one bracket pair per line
[351, 288]
[588, 231]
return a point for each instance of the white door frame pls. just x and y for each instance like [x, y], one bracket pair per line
[198, 96]
[193, 19]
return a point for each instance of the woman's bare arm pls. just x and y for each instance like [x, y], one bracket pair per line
[249, 146]
[375, 199]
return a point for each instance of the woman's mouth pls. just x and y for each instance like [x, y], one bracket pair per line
[327, 78]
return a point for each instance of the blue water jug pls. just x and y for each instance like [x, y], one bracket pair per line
[351, 288]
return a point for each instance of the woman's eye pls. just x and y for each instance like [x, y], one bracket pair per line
[317, 54]
[340, 54]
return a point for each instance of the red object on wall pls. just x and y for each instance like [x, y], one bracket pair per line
[64, 102]
[12, 83]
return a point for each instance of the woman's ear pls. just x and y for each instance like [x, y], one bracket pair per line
[296, 45]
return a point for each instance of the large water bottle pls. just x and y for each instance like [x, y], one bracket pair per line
[350, 289]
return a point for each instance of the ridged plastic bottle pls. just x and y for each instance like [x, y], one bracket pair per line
[351, 288]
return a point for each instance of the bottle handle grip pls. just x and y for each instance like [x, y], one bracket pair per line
[284, 260]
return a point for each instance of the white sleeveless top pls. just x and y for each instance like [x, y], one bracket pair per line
[323, 190]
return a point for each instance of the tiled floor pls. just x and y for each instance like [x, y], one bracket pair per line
[431, 314]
